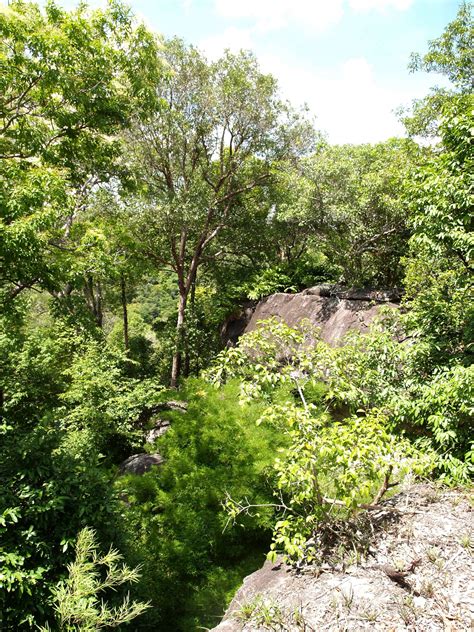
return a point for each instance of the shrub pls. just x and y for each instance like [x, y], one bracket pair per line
[77, 602]
[174, 514]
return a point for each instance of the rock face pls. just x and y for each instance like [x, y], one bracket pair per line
[235, 325]
[333, 309]
[140, 463]
[427, 533]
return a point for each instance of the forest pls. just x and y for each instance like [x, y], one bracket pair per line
[146, 195]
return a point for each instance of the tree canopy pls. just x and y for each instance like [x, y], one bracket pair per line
[69, 83]
[214, 140]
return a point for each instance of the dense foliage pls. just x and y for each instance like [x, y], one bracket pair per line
[146, 195]
[213, 449]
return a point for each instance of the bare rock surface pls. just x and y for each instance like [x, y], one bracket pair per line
[418, 575]
[140, 463]
[161, 426]
[334, 312]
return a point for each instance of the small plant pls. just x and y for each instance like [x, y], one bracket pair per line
[433, 554]
[270, 615]
[427, 589]
[246, 610]
[300, 621]
[347, 597]
[369, 614]
[467, 541]
[78, 605]
[267, 614]
[407, 610]
[399, 564]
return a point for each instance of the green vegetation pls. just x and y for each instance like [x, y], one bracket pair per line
[215, 448]
[145, 195]
[77, 599]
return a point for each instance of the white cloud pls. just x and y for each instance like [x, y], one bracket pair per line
[380, 5]
[267, 15]
[313, 15]
[347, 100]
[232, 38]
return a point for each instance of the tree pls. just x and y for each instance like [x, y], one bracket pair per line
[439, 266]
[451, 55]
[220, 128]
[69, 82]
[349, 199]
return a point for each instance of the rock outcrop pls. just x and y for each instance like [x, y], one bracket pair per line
[334, 310]
[418, 575]
[161, 427]
[140, 463]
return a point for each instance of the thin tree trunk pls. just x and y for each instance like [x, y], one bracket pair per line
[98, 306]
[124, 311]
[176, 366]
[187, 355]
[94, 300]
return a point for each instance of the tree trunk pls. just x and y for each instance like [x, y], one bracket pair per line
[98, 306]
[124, 311]
[187, 355]
[94, 300]
[176, 366]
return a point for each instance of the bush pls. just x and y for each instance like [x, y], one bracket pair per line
[175, 516]
[77, 602]
[330, 470]
[51, 485]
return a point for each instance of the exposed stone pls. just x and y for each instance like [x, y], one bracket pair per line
[356, 294]
[428, 532]
[334, 316]
[235, 325]
[148, 412]
[334, 309]
[161, 426]
[140, 463]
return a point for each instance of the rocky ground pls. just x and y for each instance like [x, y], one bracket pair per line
[418, 574]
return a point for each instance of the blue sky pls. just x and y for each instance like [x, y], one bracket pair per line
[347, 59]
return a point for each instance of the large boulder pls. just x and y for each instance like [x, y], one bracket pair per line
[334, 311]
[418, 575]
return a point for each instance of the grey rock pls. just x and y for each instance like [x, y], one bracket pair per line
[235, 325]
[334, 309]
[140, 463]
[411, 527]
[161, 426]
[333, 315]
[318, 290]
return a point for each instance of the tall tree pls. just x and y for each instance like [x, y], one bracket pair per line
[220, 128]
[440, 269]
[451, 55]
[68, 83]
[349, 199]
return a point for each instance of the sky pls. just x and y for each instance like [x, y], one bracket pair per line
[346, 59]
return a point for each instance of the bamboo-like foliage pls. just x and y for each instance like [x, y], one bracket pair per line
[78, 602]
